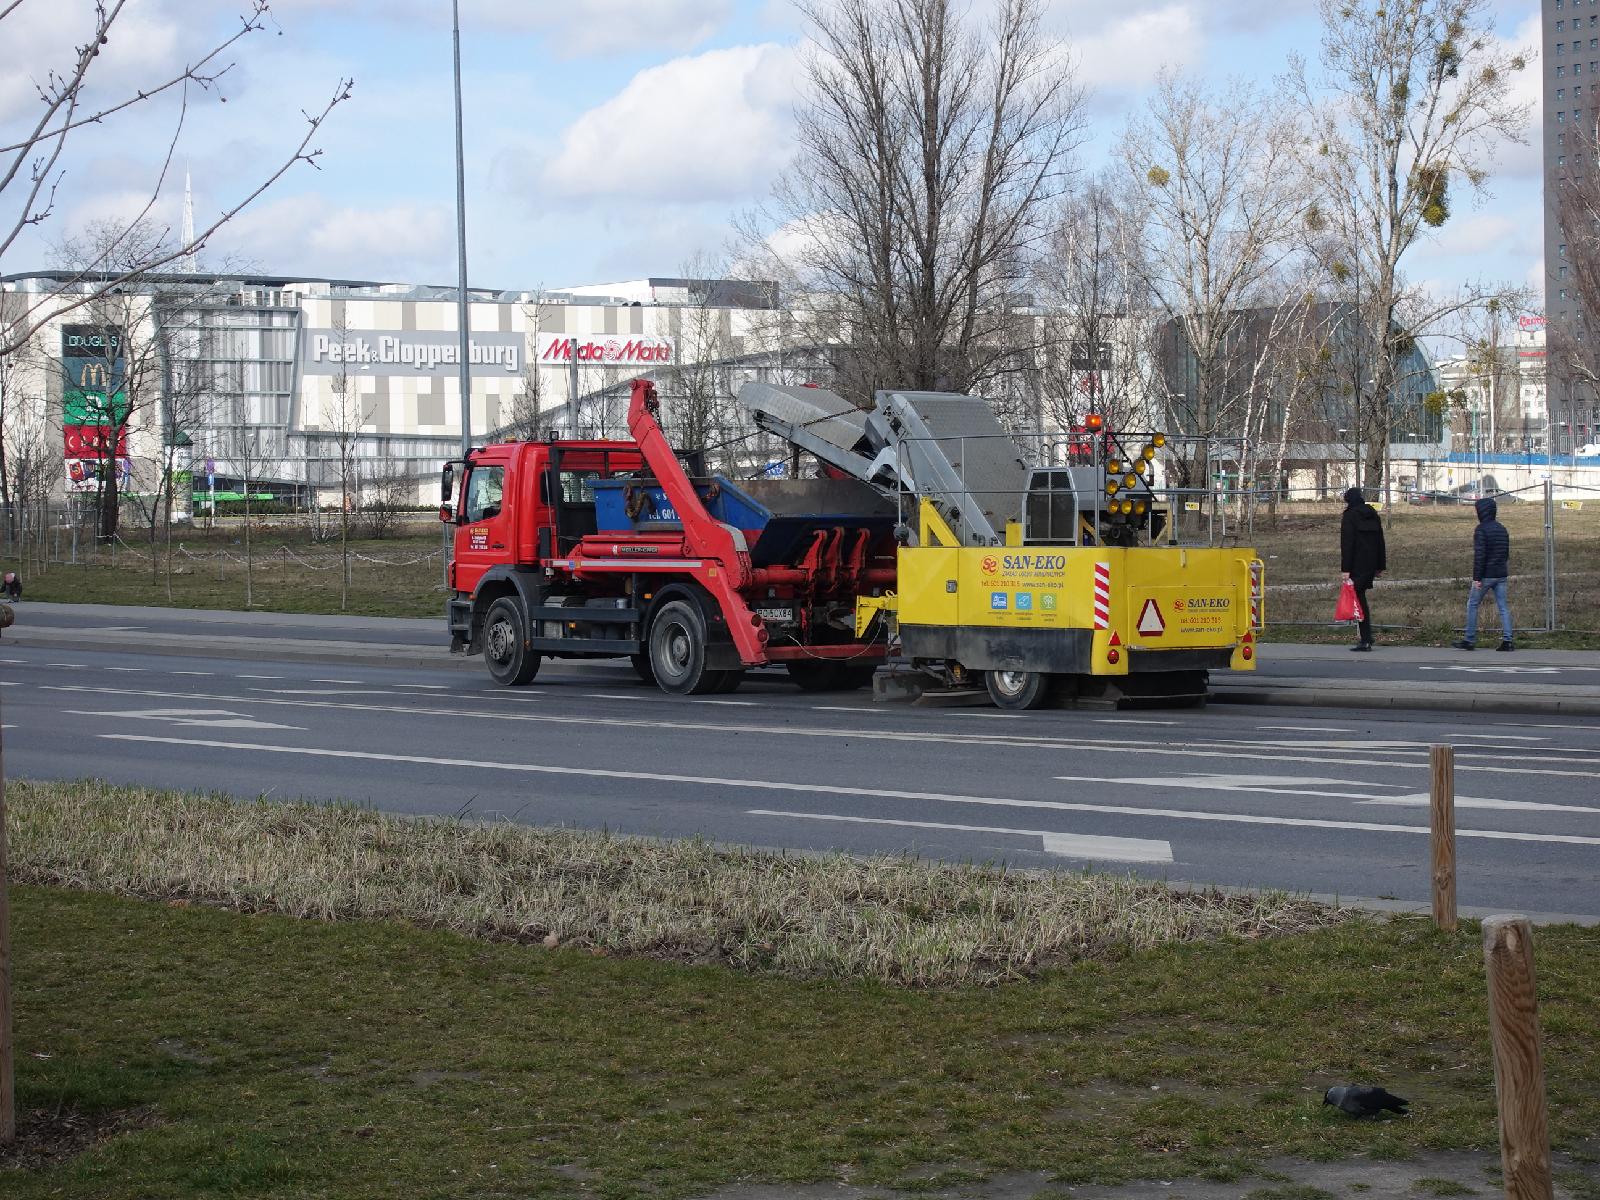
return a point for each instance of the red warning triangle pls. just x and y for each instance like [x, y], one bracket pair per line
[1248, 637]
[1150, 622]
[1115, 640]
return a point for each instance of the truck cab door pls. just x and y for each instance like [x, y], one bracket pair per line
[484, 530]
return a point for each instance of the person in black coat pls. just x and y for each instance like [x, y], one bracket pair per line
[1491, 563]
[1362, 556]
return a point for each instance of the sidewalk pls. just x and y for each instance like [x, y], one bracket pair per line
[1549, 682]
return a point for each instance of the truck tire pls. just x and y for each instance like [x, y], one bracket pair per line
[506, 652]
[642, 667]
[678, 651]
[1018, 689]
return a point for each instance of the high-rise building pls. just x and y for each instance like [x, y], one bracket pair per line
[1570, 51]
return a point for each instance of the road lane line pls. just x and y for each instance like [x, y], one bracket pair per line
[1067, 845]
[842, 790]
[616, 695]
[1423, 800]
[1261, 784]
[1074, 746]
[1131, 721]
[1306, 728]
[741, 703]
[338, 681]
[131, 670]
[258, 676]
[192, 672]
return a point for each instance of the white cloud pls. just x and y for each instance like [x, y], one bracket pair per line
[712, 127]
[570, 28]
[311, 233]
[1525, 159]
[1118, 58]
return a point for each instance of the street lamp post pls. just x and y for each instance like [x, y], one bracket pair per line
[463, 316]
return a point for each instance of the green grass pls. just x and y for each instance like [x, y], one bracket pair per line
[257, 1054]
[290, 573]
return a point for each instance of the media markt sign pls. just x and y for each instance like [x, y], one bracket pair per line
[372, 352]
[607, 350]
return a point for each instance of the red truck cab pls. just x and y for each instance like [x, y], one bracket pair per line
[690, 595]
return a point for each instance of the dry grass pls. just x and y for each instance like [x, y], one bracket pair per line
[1430, 566]
[892, 919]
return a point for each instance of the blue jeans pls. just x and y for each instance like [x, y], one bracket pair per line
[1475, 598]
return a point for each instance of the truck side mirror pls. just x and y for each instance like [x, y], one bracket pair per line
[446, 513]
[447, 484]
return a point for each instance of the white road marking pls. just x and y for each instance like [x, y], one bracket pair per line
[1277, 785]
[1506, 737]
[1071, 745]
[1307, 728]
[441, 686]
[21, 662]
[193, 672]
[743, 703]
[9, 683]
[519, 694]
[74, 666]
[615, 695]
[1423, 800]
[337, 681]
[1067, 845]
[849, 708]
[1508, 669]
[357, 691]
[1130, 721]
[212, 718]
[1177, 814]
[258, 676]
[131, 670]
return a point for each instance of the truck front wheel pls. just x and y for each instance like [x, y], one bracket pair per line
[506, 652]
[1018, 689]
[678, 651]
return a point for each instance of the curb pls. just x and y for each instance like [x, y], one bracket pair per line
[385, 654]
[1311, 697]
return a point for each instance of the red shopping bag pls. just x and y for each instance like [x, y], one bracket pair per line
[1348, 608]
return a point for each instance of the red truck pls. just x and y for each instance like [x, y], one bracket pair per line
[595, 549]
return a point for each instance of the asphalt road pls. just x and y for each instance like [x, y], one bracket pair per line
[1328, 801]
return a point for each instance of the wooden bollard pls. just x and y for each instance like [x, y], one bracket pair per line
[1518, 1059]
[1443, 822]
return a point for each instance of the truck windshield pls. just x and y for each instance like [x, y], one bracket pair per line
[484, 487]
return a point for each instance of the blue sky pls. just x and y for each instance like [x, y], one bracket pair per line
[606, 139]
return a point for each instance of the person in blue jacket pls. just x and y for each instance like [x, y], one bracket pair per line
[1491, 563]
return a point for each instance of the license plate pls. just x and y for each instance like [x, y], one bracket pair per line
[776, 614]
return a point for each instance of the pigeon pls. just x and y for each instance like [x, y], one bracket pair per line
[1365, 1101]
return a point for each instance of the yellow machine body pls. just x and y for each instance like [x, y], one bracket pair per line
[1082, 610]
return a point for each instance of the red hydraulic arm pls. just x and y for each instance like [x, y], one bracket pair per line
[728, 568]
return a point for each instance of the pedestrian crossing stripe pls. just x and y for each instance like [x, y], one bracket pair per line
[1151, 623]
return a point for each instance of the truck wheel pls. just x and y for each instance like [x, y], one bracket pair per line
[642, 668]
[505, 645]
[678, 651]
[1018, 689]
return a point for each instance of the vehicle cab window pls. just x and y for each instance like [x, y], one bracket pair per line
[484, 489]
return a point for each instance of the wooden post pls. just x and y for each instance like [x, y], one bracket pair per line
[1518, 1059]
[1443, 761]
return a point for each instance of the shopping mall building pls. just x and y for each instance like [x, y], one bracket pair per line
[282, 381]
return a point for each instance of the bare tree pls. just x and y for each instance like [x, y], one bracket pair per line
[33, 165]
[1413, 99]
[524, 416]
[929, 153]
[345, 420]
[1098, 343]
[1217, 175]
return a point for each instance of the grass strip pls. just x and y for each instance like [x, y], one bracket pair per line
[899, 920]
[203, 1052]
